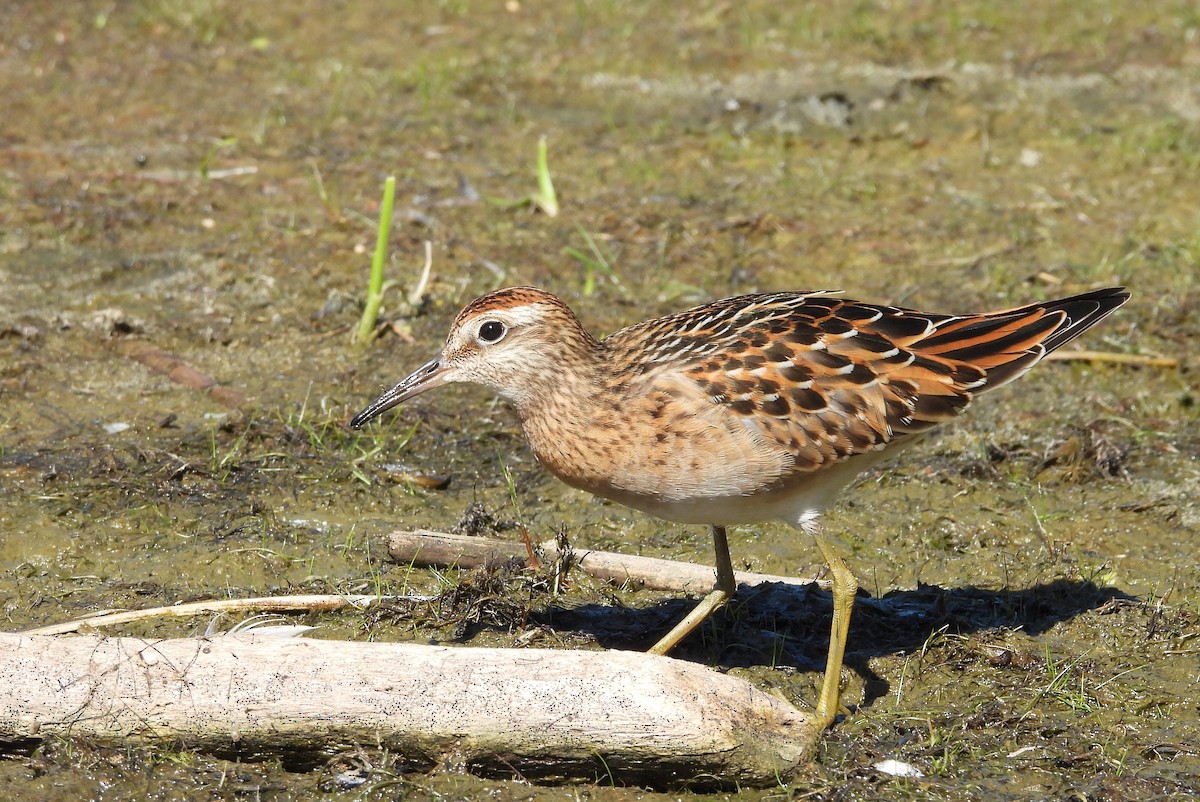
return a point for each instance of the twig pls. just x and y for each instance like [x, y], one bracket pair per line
[232, 172]
[418, 290]
[1114, 358]
[179, 371]
[423, 547]
[178, 176]
[112, 618]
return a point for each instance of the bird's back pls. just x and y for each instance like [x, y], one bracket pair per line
[825, 378]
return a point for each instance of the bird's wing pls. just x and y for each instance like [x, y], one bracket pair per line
[826, 378]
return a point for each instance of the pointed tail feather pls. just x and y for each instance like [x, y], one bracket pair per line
[1006, 344]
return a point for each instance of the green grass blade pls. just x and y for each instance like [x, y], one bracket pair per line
[545, 199]
[366, 325]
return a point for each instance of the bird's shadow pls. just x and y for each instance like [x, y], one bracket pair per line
[788, 625]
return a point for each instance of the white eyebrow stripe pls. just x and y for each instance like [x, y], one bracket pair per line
[515, 315]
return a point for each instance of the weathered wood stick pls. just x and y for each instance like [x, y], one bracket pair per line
[108, 618]
[557, 716]
[179, 371]
[423, 547]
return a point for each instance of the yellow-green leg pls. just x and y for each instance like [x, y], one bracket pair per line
[845, 586]
[721, 593]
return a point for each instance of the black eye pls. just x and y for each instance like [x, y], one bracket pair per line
[491, 331]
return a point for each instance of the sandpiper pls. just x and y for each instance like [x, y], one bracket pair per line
[755, 408]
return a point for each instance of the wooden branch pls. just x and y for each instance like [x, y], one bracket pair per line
[179, 371]
[557, 716]
[423, 547]
[108, 618]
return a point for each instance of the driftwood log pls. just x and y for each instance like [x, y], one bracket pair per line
[549, 715]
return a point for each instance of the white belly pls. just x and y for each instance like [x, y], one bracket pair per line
[798, 503]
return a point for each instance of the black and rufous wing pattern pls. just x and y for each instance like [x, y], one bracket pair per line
[827, 378]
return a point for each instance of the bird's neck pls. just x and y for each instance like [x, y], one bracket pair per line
[566, 387]
[564, 419]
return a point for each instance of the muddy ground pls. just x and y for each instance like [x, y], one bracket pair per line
[202, 177]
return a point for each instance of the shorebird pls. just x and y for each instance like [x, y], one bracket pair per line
[755, 408]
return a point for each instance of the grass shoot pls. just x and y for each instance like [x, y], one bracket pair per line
[366, 324]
